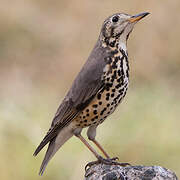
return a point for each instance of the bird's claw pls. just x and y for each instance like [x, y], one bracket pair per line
[110, 161]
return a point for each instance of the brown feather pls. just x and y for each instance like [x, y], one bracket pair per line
[84, 88]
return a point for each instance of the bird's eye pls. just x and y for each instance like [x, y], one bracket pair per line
[115, 19]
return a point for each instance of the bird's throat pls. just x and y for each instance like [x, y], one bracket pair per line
[115, 43]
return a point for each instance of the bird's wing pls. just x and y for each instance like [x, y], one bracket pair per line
[85, 87]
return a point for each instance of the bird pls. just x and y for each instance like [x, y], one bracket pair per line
[96, 92]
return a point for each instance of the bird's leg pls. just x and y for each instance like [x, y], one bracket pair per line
[108, 161]
[88, 146]
[91, 133]
[100, 159]
[101, 148]
[103, 151]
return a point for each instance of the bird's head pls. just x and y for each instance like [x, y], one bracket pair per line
[119, 26]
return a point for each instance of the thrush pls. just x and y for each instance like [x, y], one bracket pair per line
[97, 90]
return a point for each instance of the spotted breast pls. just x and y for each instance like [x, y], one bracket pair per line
[116, 80]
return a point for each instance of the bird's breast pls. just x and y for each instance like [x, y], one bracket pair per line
[116, 80]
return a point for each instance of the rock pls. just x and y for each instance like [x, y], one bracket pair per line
[114, 172]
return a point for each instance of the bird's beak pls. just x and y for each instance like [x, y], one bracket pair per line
[137, 17]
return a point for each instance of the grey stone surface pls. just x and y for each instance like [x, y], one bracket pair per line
[114, 172]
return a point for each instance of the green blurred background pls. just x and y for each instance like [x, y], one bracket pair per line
[43, 45]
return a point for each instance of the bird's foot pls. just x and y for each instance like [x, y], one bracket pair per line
[109, 161]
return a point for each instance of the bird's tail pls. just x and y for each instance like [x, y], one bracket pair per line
[54, 145]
